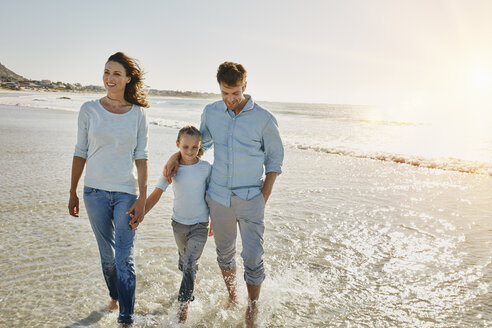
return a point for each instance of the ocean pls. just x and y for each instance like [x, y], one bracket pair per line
[378, 220]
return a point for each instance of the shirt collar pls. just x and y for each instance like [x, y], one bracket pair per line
[249, 105]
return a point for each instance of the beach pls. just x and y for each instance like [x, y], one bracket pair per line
[350, 241]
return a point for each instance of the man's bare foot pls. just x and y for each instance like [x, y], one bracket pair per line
[126, 325]
[251, 314]
[230, 282]
[113, 305]
[183, 312]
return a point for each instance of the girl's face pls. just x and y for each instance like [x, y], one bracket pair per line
[188, 147]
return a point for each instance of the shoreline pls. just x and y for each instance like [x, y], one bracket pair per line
[457, 165]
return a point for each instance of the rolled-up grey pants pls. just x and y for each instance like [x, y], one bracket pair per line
[190, 240]
[249, 215]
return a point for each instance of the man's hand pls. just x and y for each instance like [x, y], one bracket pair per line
[137, 212]
[266, 194]
[267, 188]
[171, 167]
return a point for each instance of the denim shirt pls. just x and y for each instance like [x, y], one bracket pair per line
[245, 146]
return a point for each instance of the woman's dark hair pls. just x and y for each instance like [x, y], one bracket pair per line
[134, 90]
[190, 130]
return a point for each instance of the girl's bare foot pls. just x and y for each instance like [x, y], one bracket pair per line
[183, 312]
[113, 305]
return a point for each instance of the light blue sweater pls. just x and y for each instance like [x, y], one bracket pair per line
[189, 187]
[111, 143]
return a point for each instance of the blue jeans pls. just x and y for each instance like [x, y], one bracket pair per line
[114, 236]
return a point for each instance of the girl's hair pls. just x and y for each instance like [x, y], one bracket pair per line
[134, 90]
[191, 131]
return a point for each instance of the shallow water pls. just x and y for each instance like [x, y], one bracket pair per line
[350, 242]
[433, 139]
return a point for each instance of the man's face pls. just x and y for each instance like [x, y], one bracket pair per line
[232, 95]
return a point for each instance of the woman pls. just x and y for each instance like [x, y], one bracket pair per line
[112, 136]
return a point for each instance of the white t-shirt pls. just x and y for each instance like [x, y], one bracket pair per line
[111, 143]
[189, 187]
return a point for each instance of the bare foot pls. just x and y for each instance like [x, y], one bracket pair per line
[113, 305]
[231, 302]
[251, 314]
[126, 325]
[230, 282]
[183, 312]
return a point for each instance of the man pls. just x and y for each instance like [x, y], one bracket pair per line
[246, 143]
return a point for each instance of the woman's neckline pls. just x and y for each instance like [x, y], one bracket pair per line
[113, 113]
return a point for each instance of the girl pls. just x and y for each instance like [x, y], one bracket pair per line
[112, 139]
[190, 211]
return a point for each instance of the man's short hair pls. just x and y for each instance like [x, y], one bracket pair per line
[231, 74]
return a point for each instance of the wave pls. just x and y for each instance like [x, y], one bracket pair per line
[447, 164]
[389, 123]
[173, 124]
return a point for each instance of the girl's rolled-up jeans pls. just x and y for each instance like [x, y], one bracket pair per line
[114, 236]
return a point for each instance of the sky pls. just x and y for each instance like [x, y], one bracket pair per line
[407, 54]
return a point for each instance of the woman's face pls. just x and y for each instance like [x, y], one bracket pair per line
[114, 77]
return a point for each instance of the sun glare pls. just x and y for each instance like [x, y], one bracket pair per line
[480, 78]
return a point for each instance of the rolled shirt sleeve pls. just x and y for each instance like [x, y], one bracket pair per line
[162, 183]
[207, 140]
[82, 145]
[273, 148]
[142, 150]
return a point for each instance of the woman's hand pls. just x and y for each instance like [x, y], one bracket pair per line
[73, 205]
[137, 212]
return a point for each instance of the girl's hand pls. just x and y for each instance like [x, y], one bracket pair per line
[210, 231]
[137, 212]
[73, 205]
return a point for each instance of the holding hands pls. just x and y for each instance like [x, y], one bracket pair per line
[137, 212]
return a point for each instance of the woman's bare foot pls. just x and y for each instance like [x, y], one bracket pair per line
[113, 305]
[183, 312]
[251, 314]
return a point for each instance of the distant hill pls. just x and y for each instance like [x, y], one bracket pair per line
[5, 73]
[11, 80]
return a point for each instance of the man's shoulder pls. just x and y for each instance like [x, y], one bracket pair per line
[262, 111]
[215, 106]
